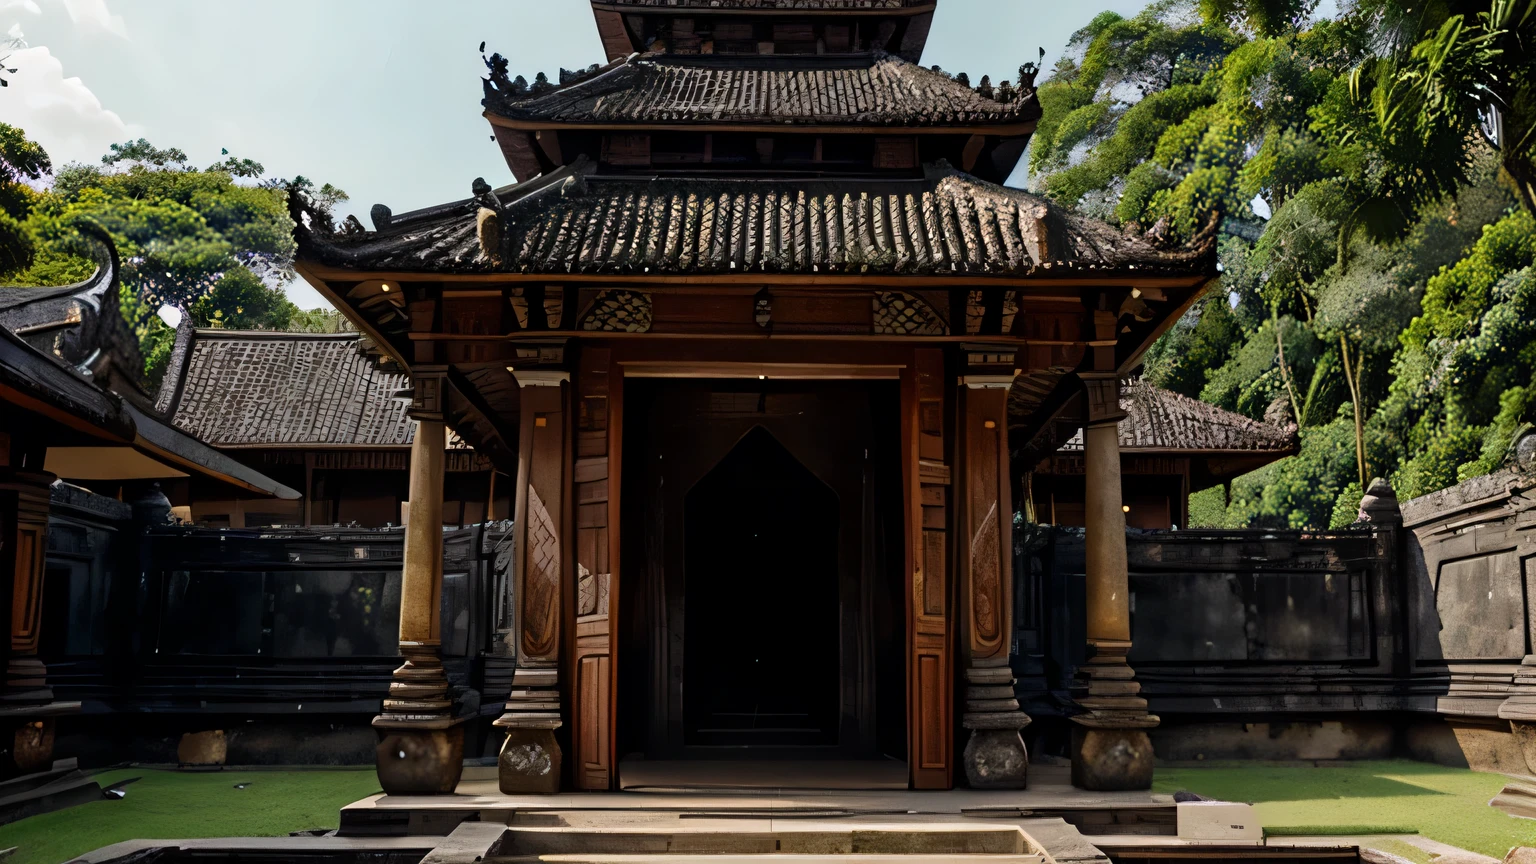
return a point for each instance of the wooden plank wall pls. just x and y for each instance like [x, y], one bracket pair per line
[927, 475]
[592, 711]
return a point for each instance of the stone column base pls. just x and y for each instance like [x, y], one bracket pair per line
[420, 761]
[1111, 760]
[529, 763]
[996, 759]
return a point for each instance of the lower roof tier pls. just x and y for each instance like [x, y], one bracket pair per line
[573, 221]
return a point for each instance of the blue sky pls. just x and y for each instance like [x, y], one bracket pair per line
[381, 98]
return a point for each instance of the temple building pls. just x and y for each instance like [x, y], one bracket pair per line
[768, 349]
[312, 410]
[72, 409]
[1170, 446]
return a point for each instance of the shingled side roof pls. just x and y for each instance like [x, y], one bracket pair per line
[948, 223]
[1161, 421]
[822, 90]
[257, 389]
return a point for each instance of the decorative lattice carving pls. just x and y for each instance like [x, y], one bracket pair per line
[541, 582]
[900, 314]
[619, 312]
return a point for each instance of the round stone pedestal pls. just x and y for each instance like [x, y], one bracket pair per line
[996, 759]
[421, 761]
[1111, 760]
[529, 763]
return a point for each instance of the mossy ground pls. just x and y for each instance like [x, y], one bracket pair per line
[177, 805]
[1445, 804]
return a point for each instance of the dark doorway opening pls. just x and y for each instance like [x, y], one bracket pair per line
[762, 613]
[761, 600]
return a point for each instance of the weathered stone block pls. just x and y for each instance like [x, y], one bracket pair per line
[203, 748]
[529, 762]
[996, 759]
[1111, 760]
[32, 746]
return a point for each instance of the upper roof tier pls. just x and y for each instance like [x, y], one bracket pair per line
[571, 221]
[763, 26]
[874, 89]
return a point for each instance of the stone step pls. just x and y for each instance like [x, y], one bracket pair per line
[735, 837]
[788, 858]
[771, 857]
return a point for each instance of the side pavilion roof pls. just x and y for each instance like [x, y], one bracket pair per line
[875, 89]
[947, 224]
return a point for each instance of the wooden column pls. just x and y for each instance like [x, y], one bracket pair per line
[26, 702]
[927, 477]
[995, 756]
[531, 757]
[421, 750]
[596, 481]
[1111, 750]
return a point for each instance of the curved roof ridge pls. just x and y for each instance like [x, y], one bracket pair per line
[885, 88]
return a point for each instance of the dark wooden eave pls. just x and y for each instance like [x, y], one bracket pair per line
[845, 93]
[947, 227]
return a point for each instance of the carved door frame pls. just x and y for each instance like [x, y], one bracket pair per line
[594, 664]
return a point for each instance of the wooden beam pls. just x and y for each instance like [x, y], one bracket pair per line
[959, 281]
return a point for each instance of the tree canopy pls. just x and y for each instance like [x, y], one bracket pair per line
[1376, 261]
[215, 243]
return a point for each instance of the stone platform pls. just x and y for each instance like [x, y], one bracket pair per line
[1049, 823]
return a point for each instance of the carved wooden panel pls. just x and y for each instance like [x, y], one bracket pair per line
[928, 482]
[592, 712]
[30, 546]
[543, 564]
[988, 519]
[541, 584]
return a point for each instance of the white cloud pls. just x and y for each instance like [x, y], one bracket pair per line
[91, 15]
[62, 114]
[12, 7]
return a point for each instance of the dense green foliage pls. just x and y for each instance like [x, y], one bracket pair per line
[1377, 282]
[215, 243]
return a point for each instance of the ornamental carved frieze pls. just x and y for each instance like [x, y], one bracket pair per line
[898, 313]
[619, 312]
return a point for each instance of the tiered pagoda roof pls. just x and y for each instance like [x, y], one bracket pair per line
[573, 221]
[875, 89]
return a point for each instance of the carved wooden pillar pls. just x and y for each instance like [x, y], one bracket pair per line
[929, 692]
[1111, 750]
[531, 757]
[596, 485]
[995, 756]
[26, 702]
[421, 747]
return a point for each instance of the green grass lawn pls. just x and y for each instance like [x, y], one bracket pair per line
[173, 805]
[1445, 804]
